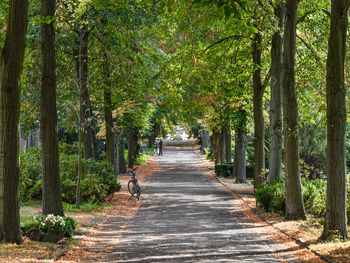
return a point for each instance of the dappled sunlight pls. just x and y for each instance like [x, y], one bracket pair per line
[185, 215]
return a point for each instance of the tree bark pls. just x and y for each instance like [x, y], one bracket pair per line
[121, 157]
[275, 156]
[131, 145]
[11, 64]
[51, 194]
[86, 115]
[241, 142]
[335, 222]
[228, 143]
[259, 130]
[205, 140]
[294, 198]
[216, 146]
[108, 115]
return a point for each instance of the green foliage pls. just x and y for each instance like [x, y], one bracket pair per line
[314, 194]
[224, 170]
[97, 177]
[30, 169]
[271, 197]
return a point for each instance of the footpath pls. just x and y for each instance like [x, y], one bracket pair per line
[186, 215]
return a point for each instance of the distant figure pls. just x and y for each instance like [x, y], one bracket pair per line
[160, 145]
[156, 147]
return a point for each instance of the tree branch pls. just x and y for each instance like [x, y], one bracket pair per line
[266, 80]
[222, 40]
[318, 59]
[302, 19]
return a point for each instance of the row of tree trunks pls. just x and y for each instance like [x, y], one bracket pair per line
[11, 61]
[220, 144]
[51, 196]
[294, 199]
[275, 151]
[259, 130]
[335, 222]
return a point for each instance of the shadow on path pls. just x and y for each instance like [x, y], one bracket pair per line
[186, 216]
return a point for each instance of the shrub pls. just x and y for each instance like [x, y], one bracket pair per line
[224, 170]
[271, 197]
[97, 177]
[30, 170]
[314, 195]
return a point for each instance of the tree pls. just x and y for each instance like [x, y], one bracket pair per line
[259, 130]
[52, 200]
[11, 62]
[335, 222]
[294, 199]
[275, 157]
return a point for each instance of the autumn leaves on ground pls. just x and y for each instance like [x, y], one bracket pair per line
[121, 204]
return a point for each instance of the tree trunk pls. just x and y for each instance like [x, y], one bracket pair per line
[228, 143]
[205, 141]
[222, 145]
[108, 115]
[51, 194]
[241, 142]
[121, 157]
[131, 146]
[294, 198]
[77, 194]
[86, 116]
[275, 157]
[195, 133]
[216, 147]
[11, 62]
[335, 222]
[259, 131]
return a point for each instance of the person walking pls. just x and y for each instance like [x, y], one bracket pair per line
[160, 145]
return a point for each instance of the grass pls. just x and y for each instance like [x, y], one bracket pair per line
[86, 208]
[31, 208]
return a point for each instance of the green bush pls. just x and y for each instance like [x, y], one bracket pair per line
[30, 170]
[271, 197]
[97, 177]
[314, 195]
[224, 170]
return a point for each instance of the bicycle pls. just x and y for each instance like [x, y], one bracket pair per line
[133, 185]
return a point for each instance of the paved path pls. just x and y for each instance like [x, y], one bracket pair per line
[187, 216]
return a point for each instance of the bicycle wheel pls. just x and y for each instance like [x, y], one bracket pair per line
[131, 187]
[137, 190]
